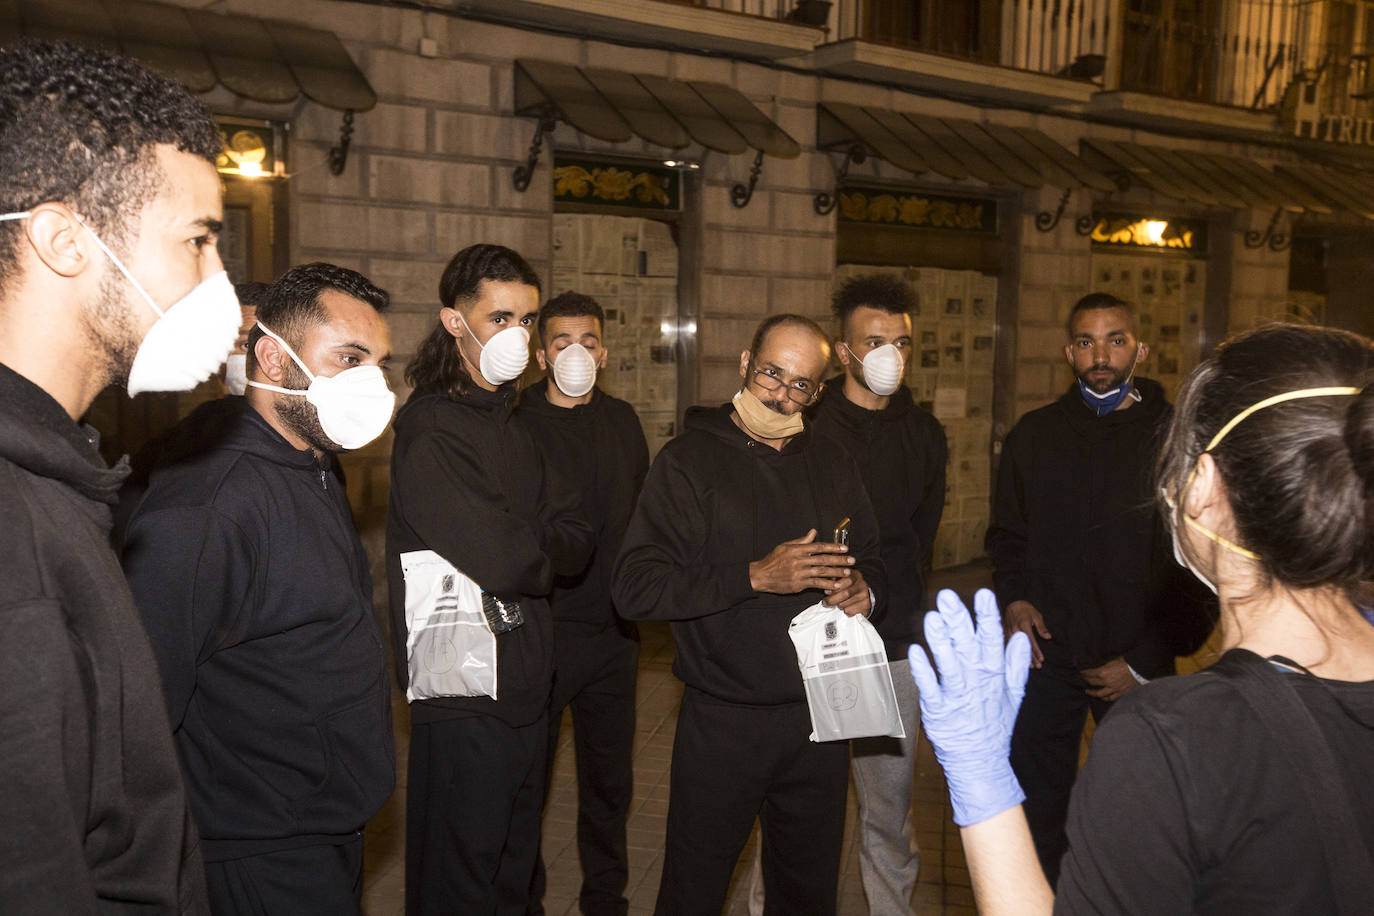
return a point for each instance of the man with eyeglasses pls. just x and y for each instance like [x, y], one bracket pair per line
[732, 539]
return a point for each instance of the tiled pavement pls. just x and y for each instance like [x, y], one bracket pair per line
[943, 884]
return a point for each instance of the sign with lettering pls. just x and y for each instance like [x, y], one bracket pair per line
[583, 180]
[1302, 114]
[917, 209]
[1187, 236]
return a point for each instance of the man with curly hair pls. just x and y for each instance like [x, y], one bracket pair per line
[109, 274]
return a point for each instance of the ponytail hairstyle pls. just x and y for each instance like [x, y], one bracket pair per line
[1299, 474]
[437, 365]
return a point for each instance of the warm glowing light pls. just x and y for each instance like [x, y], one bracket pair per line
[1154, 231]
[250, 169]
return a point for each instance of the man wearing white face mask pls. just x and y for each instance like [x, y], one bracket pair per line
[94, 150]
[595, 443]
[900, 450]
[1082, 564]
[469, 484]
[255, 591]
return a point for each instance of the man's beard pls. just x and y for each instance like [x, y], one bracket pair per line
[1117, 380]
[299, 415]
[109, 328]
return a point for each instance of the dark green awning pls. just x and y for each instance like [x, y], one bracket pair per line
[258, 59]
[615, 106]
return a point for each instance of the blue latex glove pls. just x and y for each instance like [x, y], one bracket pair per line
[969, 712]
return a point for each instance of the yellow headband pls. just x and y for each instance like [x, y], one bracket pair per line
[1235, 421]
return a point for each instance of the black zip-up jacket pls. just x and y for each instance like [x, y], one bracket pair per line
[901, 453]
[1074, 531]
[255, 591]
[715, 501]
[96, 819]
[468, 483]
[599, 449]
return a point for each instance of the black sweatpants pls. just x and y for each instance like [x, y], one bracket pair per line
[731, 764]
[595, 675]
[475, 787]
[322, 880]
[1044, 754]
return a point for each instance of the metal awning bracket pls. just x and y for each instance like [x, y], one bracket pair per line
[824, 202]
[1045, 220]
[338, 154]
[1277, 241]
[741, 194]
[524, 173]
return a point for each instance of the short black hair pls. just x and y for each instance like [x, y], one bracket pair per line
[877, 291]
[292, 303]
[571, 305]
[1094, 301]
[78, 126]
[252, 293]
[437, 365]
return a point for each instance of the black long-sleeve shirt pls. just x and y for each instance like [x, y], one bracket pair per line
[1074, 531]
[901, 454]
[96, 819]
[715, 501]
[257, 597]
[599, 449]
[468, 483]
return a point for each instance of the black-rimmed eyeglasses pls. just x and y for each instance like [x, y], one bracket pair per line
[803, 391]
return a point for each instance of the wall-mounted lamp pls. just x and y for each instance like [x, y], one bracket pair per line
[248, 151]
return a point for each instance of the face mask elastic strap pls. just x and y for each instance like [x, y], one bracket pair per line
[1301, 393]
[122, 269]
[289, 352]
[8, 216]
[1213, 536]
[1332, 392]
[280, 390]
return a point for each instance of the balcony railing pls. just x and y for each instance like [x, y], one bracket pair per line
[1252, 54]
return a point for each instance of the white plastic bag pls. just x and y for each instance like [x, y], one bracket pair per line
[848, 682]
[450, 649]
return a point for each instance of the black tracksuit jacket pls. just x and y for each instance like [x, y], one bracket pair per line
[257, 597]
[468, 482]
[901, 453]
[1074, 531]
[599, 449]
[715, 501]
[95, 816]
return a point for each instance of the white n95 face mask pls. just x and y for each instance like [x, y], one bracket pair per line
[574, 370]
[191, 337]
[236, 373]
[505, 356]
[354, 406]
[882, 369]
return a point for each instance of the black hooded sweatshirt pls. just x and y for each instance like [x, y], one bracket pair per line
[715, 501]
[901, 453]
[255, 590]
[1074, 531]
[96, 818]
[599, 448]
[468, 483]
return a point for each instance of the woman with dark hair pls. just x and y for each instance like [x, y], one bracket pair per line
[469, 491]
[1245, 788]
